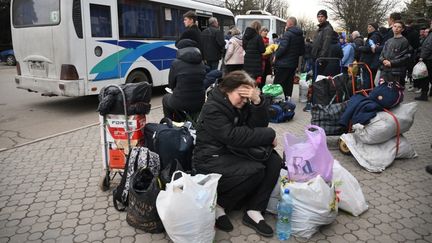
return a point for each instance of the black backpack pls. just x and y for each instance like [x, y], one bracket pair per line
[171, 143]
[138, 158]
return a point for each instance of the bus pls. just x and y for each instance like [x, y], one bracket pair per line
[76, 47]
[275, 24]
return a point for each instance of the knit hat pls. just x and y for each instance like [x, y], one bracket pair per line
[322, 12]
[374, 24]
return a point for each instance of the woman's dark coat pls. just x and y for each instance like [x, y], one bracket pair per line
[221, 124]
[254, 47]
[186, 77]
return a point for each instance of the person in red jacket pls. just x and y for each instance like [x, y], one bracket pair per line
[266, 64]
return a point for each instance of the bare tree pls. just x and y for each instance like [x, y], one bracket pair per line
[356, 14]
[307, 25]
[275, 7]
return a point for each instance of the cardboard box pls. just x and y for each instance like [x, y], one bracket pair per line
[114, 137]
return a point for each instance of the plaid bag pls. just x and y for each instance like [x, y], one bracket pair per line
[327, 117]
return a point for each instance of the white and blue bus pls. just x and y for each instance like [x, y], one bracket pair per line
[275, 24]
[76, 47]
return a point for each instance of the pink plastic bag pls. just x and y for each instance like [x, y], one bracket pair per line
[307, 158]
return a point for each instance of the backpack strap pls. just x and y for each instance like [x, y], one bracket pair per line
[118, 191]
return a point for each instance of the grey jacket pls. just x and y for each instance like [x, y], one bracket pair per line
[397, 51]
[426, 48]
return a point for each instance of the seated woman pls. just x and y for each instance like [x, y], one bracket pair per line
[186, 81]
[235, 115]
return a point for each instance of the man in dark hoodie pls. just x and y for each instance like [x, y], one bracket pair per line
[185, 79]
[291, 47]
[322, 40]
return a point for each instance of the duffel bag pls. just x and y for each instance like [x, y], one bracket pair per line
[281, 111]
[170, 142]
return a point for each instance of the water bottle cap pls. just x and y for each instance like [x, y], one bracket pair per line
[286, 191]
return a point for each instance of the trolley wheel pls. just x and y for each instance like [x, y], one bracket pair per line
[104, 182]
[343, 147]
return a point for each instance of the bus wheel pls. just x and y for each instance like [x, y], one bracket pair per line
[137, 77]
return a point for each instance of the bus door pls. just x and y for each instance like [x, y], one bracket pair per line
[101, 34]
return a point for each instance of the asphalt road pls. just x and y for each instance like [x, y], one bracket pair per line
[26, 116]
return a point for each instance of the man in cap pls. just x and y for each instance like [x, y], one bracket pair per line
[322, 40]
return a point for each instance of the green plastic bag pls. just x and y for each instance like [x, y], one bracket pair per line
[272, 89]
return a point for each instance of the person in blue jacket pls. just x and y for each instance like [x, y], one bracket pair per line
[348, 50]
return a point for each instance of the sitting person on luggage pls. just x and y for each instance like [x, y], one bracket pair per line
[186, 82]
[235, 116]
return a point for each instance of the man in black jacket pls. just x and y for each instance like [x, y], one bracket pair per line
[192, 31]
[322, 41]
[358, 41]
[213, 44]
[291, 47]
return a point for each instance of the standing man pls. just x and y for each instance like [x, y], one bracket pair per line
[213, 44]
[291, 47]
[322, 41]
[395, 56]
[357, 40]
[192, 31]
[426, 57]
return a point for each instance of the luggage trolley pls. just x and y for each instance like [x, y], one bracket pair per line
[359, 86]
[116, 134]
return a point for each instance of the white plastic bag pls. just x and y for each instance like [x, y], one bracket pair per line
[377, 157]
[383, 126]
[187, 208]
[348, 190]
[314, 205]
[420, 71]
[276, 194]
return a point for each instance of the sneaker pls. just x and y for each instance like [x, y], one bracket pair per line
[410, 88]
[261, 227]
[429, 169]
[223, 223]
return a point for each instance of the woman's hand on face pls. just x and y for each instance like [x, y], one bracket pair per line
[251, 93]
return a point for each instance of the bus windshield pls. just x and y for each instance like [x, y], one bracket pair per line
[27, 13]
[243, 23]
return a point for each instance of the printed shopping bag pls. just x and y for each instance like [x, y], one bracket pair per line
[307, 158]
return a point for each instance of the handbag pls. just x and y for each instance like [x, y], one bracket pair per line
[141, 212]
[259, 153]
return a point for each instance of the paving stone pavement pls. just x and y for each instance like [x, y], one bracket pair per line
[49, 193]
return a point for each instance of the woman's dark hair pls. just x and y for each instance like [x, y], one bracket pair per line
[235, 79]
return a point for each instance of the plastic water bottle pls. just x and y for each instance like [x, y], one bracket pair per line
[285, 209]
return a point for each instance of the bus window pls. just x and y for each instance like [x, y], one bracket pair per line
[280, 27]
[35, 13]
[100, 17]
[138, 19]
[225, 22]
[172, 22]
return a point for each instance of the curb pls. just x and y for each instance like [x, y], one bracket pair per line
[59, 134]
